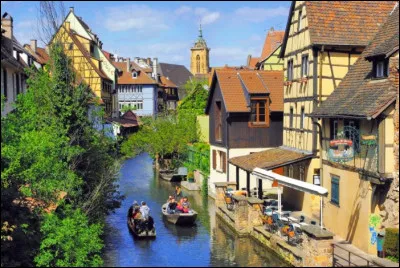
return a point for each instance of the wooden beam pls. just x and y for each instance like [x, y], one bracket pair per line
[237, 178]
[248, 183]
[260, 189]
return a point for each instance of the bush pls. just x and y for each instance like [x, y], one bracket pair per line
[391, 244]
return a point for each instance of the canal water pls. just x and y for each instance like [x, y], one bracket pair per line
[208, 243]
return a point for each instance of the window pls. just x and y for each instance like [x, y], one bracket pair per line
[302, 173]
[218, 121]
[259, 112]
[335, 190]
[290, 70]
[198, 63]
[91, 49]
[299, 23]
[5, 83]
[333, 128]
[71, 46]
[134, 74]
[219, 161]
[302, 118]
[291, 171]
[381, 68]
[304, 66]
[352, 127]
[291, 118]
[17, 83]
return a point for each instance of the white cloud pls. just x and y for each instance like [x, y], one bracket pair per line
[200, 11]
[260, 14]
[210, 18]
[183, 10]
[137, 17]
[26, 24]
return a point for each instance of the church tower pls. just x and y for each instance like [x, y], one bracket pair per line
[199, 61]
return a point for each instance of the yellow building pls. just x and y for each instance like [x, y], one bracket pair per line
[199, 60]
[318, 50]
[359, 114]
[89, 62]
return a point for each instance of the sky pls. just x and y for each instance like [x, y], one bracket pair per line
[167, 30]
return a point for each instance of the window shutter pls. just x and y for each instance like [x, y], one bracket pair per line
[267, 111]
[224, 162]
[214, 156]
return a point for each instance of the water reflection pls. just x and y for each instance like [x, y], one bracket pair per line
[208, 243]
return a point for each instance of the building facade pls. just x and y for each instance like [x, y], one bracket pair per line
[317, 52]
[89, 61]
[14, 59]
[136, 89]
[358, 142]
[245, 109]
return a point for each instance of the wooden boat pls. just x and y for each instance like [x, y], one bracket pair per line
[173, 176]
[146, 230]
[179, 218]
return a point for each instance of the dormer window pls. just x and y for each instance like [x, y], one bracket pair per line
[134, 74]
[380, 69]
[259, 114]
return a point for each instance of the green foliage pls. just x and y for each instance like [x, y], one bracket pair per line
[391, 244]
[393, 259]
[69, 241]
[198, 157]
[48, 145]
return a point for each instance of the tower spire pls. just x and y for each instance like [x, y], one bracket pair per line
[200, 31]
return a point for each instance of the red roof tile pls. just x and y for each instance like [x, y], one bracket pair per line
[235, 84]
[346, 22]
[126, 77]
[272, 41]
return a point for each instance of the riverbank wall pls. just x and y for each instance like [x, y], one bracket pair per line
[245, 220]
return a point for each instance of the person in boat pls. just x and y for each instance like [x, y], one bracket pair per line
[184, 205]
[171, 208]
[178, 192]
[145, 211]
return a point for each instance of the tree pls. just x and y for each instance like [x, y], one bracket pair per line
[69, 241]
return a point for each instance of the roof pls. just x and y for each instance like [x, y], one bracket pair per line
[253, 62]
[387, 38]
[371, 95]
[268, 159]
[86, 54]
[348, 23]
[126, 77]
[165, 82]
[107, 54]
[128, 119]
[235, 84]
[272, 41]
[178, 74]
[40, 55]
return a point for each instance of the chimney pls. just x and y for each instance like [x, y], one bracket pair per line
[149, 61]
[248, 60]
[271, 29]
[128, 64]
[155, 62]
[7, 25]
[68, 25]
[33, 45]
[71, 9]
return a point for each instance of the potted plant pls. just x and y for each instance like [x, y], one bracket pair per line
[190, 177]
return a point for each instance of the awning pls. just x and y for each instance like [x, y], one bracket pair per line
[291, 183]
[269, 159]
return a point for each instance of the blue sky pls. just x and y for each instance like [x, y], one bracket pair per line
[167, 30]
